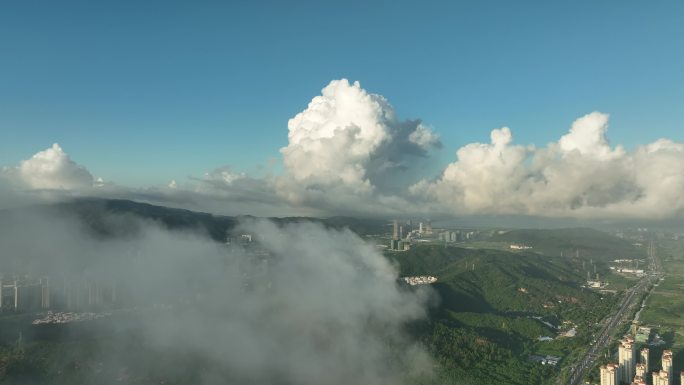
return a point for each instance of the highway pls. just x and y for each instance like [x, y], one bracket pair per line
[617, 318]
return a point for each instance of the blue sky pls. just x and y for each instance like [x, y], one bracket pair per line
[145, 92]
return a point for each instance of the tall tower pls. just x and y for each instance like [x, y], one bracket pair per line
[609, 374]
[17, 296]
[395, 229]
[44, 293]
[667, 364]
[643, 358]
[661, 378]
[626, 356]
[641, 370]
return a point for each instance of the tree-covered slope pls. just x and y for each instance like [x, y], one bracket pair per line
[584, 242]
[482, 330]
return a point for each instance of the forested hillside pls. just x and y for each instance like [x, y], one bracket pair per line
[482, 329]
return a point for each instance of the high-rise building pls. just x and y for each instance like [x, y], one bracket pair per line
[395, 229]
[626, 356]
[7, 295]
[28, 295]
[667, 364]
[21, 295]
[640, 370]
[609, 374]
[643, 358]
[45, 293]
[681, 378]
[661, 378]
[420, 228]
[639, 380]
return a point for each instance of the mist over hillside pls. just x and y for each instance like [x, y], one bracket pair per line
[285, 309]
[281, 287]
[118, 217]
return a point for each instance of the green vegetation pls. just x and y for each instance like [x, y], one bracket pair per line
[617, 281]
[665, 307]
[587, 243]
[493, 306]
[482, 331]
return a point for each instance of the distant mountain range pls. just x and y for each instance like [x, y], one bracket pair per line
[118, 217]
[115, 217]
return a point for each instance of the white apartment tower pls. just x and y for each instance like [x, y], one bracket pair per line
[667, 364]
[643, 358]
[661, 378]
[609, 374]
[641, 370]
[626, 356]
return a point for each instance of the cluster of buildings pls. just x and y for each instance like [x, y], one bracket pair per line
[405, 233]
[26, 294]
[457, 236]
[425, 228]
[517, 246]
[398, 242]
[420, 280]
[596, 284]
[627, 270]
[628, 371]
[546, 360]
[67, 317]
[450, 236]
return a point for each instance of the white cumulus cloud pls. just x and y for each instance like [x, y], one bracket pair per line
[424, 137]
[588, 137]
[348, 137]
[48, 176]
[53, 169]
[349, 154]
[580, 176]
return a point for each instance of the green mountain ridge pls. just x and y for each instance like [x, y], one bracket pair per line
[117, 217]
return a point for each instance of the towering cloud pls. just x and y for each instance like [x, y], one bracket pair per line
[54, 169]
[587, 136]
[349, 138]
[482, 178]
